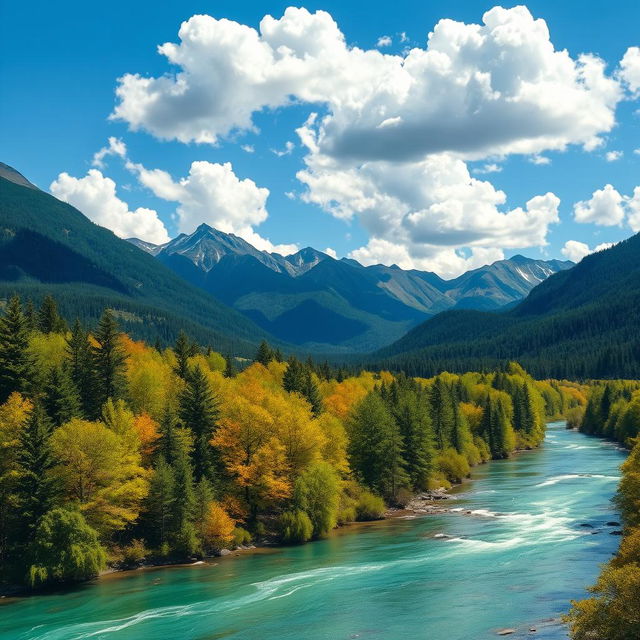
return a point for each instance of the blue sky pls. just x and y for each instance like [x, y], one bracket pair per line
[59, 69]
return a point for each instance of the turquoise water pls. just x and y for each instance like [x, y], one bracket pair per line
[516, 562]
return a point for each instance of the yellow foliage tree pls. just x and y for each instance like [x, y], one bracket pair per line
[99, 473]
[217, 528]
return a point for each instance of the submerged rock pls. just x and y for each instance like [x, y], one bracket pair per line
[505, 632]
[613, 523]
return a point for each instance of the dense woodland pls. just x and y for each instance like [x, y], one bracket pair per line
[613, 411]
[115, 451]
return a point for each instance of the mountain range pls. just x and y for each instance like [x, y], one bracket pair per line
[579, 323]
[320, 303]
[558, 320]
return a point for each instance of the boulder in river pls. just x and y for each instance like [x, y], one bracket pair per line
[613, 523]
[586, 524]
[505, 632]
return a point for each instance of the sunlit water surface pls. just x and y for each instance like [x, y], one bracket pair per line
[516, 562]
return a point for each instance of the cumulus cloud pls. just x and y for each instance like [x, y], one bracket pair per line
[490, 167]
[418, 214]
[288, 148]
[248, 148]
[384, 41]
[575, 251]
[613, 156]
[331, 252]
[474, 89]
[95, 195]
[630, 68]
[213, 194]
[633, 210]
[605, 208]
[115, 147]
[538, 159]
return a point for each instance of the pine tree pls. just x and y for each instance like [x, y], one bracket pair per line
[230, 368]
[30, 316]
[375, 446]
[49, 320]
[183, 533]
[199, 413]
[61, 399]
[312, 394]
[265, 354]
[182, 350]
[108, 359]
[160, 504]
[17, 365]
[35, 489]
[294, 378]
[442, 413]
[81, 370]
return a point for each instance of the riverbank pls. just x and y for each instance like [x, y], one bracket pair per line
[514, 563]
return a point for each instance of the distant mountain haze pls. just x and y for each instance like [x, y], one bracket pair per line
[320, 303]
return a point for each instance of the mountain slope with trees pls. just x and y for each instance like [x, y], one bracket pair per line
[324, 304]
[47, 246]
[579, 323]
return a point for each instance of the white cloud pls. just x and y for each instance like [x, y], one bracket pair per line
[613, 156]
[288, 148]
[95, 195]
[633, 210]
[248, 148]
[605, 208]
[630, 68]
[575, 251]
[213, 194]
[115, 147]
[384, 41]
[490, 167]
[476, 90]
[537, 159]
[331, 252]
[418, 213]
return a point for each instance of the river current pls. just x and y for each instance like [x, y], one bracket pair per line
[535, 539]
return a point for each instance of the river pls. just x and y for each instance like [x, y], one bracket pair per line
[515, 562]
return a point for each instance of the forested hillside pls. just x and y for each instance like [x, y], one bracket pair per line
[47, 246]
[580, 323]
[115, 451]
[613, 411]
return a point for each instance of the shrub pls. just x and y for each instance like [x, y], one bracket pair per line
[317, 493]
[574, 417]
[134, 552]
[66, 549]
[241, 537]
[453, 464]
[369, 506]
[295, 527]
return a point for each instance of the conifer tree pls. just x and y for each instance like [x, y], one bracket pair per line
[294, 377]
[265, 354]
[17, 366]
[81, 370]
[182, 350]
[230, 368]
[160, 503]
[375, 446]
[183, 533]
[108, 359]
[49, 320]
[442, 413]
[30, 316]
[199, 413]
[35, 489]
[61, 399]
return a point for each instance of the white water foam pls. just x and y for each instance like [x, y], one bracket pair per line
[574, 476]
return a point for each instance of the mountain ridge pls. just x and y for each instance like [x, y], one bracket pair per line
[383, 301]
